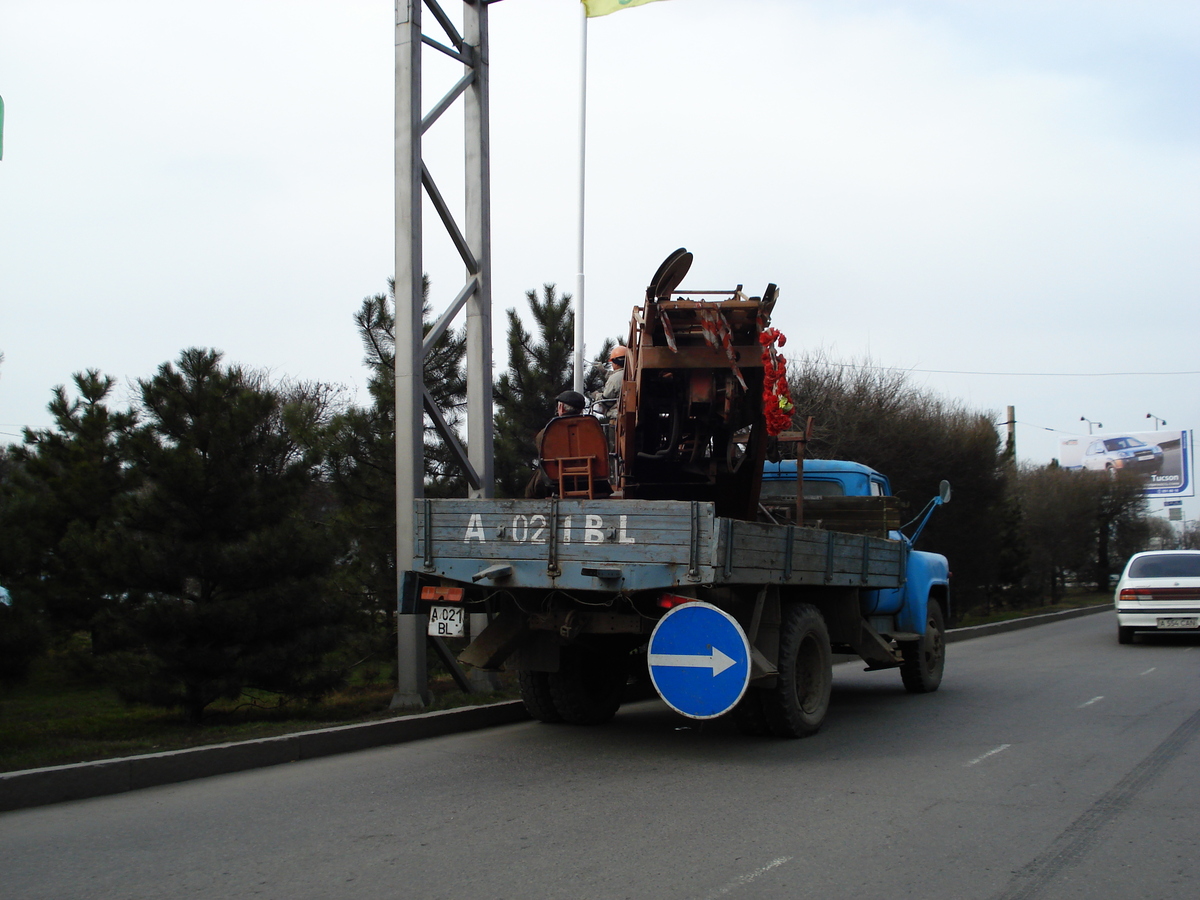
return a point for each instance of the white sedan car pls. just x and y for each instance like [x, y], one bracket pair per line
[1159, 591]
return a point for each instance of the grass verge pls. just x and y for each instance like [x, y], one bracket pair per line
[1000, 614]
[56, 719]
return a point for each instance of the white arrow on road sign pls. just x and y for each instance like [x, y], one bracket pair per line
[718, 661]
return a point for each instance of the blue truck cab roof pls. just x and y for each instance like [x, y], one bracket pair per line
[829, 477]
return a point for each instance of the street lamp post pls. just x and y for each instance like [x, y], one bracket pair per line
[1090, 423]
[1157, 420]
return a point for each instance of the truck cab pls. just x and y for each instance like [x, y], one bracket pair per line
[823, 478]
[897, 613]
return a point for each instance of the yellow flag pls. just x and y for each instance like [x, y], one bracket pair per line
[604, 7]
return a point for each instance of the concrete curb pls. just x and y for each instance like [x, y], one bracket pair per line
[78, 781]
[974, 631]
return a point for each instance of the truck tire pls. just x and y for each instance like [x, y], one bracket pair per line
[925, 659]
[1124, 634]
[589, 686]
[535, 691]
[796, 706]
[750, 715]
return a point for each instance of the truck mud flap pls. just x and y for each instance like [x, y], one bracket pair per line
[498, 641]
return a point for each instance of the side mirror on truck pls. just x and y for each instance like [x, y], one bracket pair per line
[943, 497]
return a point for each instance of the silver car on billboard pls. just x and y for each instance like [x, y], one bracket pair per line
[1127, 454]
[1159, 591]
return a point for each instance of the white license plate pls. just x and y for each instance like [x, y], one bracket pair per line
[446, 621]
[1177, 622]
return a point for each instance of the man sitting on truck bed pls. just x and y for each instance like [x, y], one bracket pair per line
[568, 403]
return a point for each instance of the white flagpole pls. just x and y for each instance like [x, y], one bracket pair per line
[582, 168]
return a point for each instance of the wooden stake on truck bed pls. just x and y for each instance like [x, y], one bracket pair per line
[801, 439]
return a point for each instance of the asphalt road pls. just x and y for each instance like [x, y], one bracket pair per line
[1053, 763]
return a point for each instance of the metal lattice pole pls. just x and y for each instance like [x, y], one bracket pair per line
[474, 246]
[479, 239]
[412, 686]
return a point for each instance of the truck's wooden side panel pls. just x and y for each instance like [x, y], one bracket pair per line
[630, 545]
[759, 553]
[549, 543]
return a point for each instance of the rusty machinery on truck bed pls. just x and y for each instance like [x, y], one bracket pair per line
[689, 419]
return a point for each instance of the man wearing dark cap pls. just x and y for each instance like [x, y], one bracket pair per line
[569, 403]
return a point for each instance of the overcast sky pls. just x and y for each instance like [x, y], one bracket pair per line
[966, 187]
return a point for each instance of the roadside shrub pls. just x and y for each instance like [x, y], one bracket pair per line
[22, 642]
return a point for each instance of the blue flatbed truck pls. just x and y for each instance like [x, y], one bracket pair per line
[912, 614]
[673, 514]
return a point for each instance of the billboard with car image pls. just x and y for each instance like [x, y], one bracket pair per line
[1164, 457]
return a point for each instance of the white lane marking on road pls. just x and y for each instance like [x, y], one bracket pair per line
[746, 879]
[1149, 670]
[1089, 702]
[991, 752]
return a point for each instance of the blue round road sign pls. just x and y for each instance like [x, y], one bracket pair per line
[699, 660]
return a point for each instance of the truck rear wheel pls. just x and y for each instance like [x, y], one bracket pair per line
[535, 691]
[925, 659]
[589, 685]
[796, 706]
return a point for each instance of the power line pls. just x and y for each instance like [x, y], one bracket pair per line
[1039, 427]
[1014, 374]
[1043, 428]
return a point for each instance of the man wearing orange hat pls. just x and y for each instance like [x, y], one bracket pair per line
[612, 386]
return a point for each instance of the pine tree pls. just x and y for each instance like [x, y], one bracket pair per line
[22, 638]
[57, 508]
[362, 466]
[226, 554]
[362, 451]
[540, 367]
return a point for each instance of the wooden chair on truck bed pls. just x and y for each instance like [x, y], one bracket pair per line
[574, 455]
